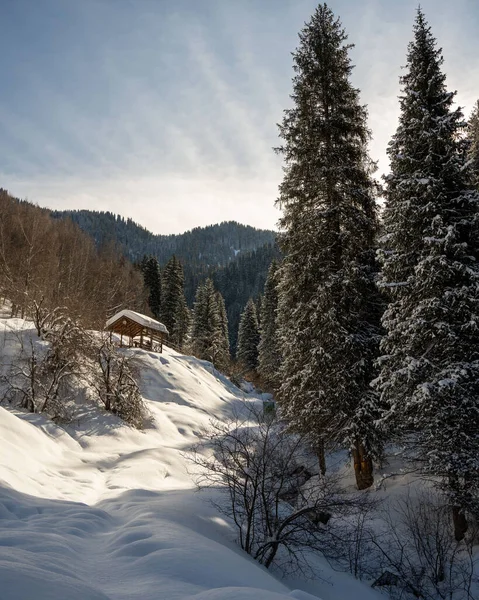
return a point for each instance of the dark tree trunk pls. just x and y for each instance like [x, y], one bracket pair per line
[459, 519]
[363, 467]
[460, 523]
[321, 454]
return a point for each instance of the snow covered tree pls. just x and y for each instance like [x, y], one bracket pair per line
[152, 279]
[430, 368]
[205, 320]
[42, 378]
[328, 302]
[269, 352]
[174, 310]
[115, 381]
[248, 337]
[473, 137]
[208, 337]
[183, 325]
[259, 307]
[223, 350]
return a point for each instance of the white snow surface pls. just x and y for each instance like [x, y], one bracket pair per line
[143, 320]
[96, 510]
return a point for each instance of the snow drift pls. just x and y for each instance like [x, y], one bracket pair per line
[97, 510]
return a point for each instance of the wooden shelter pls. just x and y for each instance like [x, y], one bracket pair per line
[141, 331]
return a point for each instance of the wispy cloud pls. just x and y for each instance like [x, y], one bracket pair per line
[167, 113]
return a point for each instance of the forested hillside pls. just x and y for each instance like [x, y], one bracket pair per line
[321, 389]
[242, 279]
[237, 257]
[211, 246]
[53, 263]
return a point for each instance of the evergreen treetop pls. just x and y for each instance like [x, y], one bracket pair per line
[208, 336]
[269, 350]
[473, 138]
[248, 337]
[223, 351]
[426, 153]
[152, 279]
[175, 313]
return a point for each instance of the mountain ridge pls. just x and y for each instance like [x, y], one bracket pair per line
[211, 246]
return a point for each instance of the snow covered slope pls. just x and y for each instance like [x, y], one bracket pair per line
[97, 510]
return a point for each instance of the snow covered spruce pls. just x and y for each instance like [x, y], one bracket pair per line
[329, 307]
[429, 378]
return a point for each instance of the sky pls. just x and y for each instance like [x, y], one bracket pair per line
[165, 111]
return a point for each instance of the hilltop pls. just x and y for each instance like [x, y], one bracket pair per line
[211, 246]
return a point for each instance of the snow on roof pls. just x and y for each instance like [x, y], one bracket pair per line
[138, 318]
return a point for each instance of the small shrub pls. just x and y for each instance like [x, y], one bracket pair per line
[115, 383]
[420, 553]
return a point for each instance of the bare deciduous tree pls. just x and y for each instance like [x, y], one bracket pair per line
[281, 511]
[115, 381]
[41, 377]
[53, 263]
[419, 555]
[46, 319]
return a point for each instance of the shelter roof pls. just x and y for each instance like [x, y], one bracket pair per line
[142, 320]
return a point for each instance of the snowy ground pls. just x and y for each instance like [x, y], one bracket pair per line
[96, 510]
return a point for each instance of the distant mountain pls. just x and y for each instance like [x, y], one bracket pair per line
[212, 246]
[235, 256]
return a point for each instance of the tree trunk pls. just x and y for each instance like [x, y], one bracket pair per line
[321, 454]
[272, 553]
[460, 523]
[459, 519]
[363, 467]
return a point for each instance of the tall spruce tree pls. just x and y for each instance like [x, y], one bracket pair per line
[248, 337]
[174, 310]
[269, 350]
[259, 307]
[152, 279]
[223, 352]
[208, 332]
[328, 303]
[430, 367]
[473, 150]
